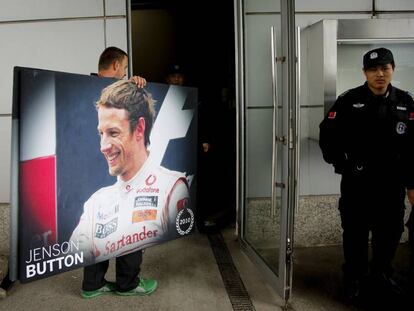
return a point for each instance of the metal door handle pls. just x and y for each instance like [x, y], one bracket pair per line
[275, 118]
[297, 121]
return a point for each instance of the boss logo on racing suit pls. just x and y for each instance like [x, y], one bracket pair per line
[150, 201]
[103, 230]
[144, 215]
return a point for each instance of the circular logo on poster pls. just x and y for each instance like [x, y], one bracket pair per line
[184, 221]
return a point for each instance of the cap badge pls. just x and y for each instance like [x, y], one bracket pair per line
[373, 55]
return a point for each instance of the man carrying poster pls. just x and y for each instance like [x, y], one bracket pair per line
[148, 203]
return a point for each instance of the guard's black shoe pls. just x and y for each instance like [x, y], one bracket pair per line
[387, 286]
[385, 294]
[352, 290]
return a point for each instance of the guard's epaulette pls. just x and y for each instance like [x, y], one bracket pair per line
[344, 93]
[410, 94]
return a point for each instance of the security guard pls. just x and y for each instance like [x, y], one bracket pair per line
[368, 136]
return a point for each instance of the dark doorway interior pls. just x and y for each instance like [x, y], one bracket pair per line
[199, 36]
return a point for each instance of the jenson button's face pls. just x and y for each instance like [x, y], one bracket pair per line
[118, 143]
[379, 78]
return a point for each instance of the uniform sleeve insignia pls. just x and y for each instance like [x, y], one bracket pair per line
[332, 115]
[411, 116]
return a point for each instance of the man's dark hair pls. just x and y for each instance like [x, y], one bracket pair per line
[109, 55]
[136, 101]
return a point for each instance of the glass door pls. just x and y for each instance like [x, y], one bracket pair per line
[267, 137]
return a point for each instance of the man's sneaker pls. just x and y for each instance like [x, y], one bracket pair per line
[145, 287]
[106, 289]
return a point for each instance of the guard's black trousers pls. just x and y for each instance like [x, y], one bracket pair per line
[127, 271]
[370, 206]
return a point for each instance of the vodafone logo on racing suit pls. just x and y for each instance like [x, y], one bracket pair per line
[150, 180]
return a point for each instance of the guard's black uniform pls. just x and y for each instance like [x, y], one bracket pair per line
[369, 139]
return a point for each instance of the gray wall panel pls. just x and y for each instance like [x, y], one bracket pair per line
[17, 10]
[114, 27]
[396, 15]
[394, 5]
[303, 20]
[5, 155]
[251, 6]
[115, 7]
[72, 46]
[332, 5]
[255, 6]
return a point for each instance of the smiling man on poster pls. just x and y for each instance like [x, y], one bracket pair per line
[149, 203]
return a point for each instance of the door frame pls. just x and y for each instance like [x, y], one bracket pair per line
[290, 170]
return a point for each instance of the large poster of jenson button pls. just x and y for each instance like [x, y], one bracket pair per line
[105, 168]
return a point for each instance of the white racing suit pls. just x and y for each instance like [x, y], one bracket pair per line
[150, 208]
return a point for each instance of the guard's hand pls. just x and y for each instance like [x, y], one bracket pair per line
[139, 81]
[410, 195]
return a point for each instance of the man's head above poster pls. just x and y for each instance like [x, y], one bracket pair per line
[113, 63]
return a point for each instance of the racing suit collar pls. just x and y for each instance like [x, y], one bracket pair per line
[139, 177]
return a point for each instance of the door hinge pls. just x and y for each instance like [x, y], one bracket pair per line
[289, 252]
[280, 185]
[290, 138]
[280, 59]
